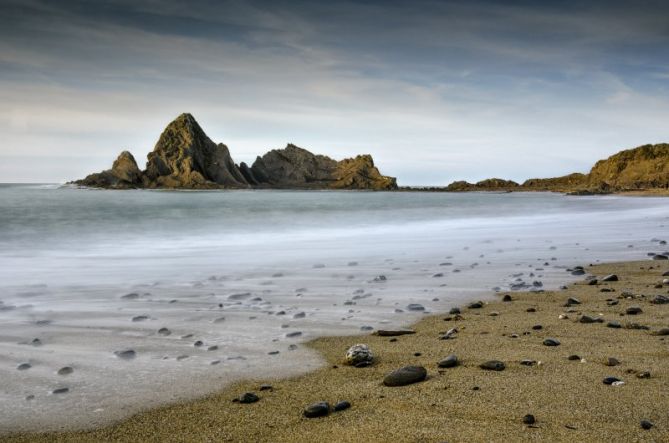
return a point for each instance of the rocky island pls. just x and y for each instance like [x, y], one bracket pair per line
[186, 158]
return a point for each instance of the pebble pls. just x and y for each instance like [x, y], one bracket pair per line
[320, 409]
[393, 332]
[660, 300]
[24, 366]
[248, 397]
[588, 319]
[493, 365]
[293, 334]
[164, 331]
[574, 357]
[646, 424]
[127, 354]
[341, 406]
[266, 387]
[572, 301]
[610, 380]
[415, 307]
[61, 391]
[614, 324]
[140, 318]
[537, 327]
[529, 419]
[611, 277]
[449, 362]
[633, 310]
[405, 376]
[454, 311]
[612, 361]
[528, 362]
[531, 310]
[662, 332]
[551, 342]
[66, 370]
[475, 305]
[359, 355]
[507, 298]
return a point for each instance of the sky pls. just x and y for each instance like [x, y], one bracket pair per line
[436, 91]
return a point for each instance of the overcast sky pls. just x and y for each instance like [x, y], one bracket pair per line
[435, 91]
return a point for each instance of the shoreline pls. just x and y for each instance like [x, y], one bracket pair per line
[567, 397]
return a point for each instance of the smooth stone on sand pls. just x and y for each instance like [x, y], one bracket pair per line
[610, 380]
[65, 370]
[341, 406]
[293, 334]
[405, 376]
[359, 355]
[475, 305]
[300, 315]
[574, 357]
[507, 298]
[131, 296]
[140, 318]
[248, 397]
[662, 332]
[646, 424]
[633, 310]
[449, 362]
[614, 324]
[588, 319]
[528, 362]
[61, 391]
[572, 301]
[24, 366]
[493, 365]
[611, 277]
[415, 307]
[660, 300]
[393, 332]
[551, 342]
[164, 331]
[127, 354]
[315, 410]
[529, 419]
[611, 361]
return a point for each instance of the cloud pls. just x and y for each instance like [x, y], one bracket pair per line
[434, 90]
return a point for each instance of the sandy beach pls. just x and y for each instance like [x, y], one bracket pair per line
[566, 396]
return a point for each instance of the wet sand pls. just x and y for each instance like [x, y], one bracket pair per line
[465, 403]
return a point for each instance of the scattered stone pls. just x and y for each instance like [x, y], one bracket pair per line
[164, 331]
[551, 342]
[646, 424]
[60, 391]
[300, 315]
[131, 296]
[293, 334]
[588, 319]
[449, 362]
[248, 397]
[610, 380]
[611, 277]
[393, 332]
[614, 324]
[537, 327]
[493, 365]
[612, 362]
[633, 310]
[529, 419]
[341, 406]
[415, 307]
[531, 310]
[662, 332]
[660, 300]
[572, 301]
[454, 311]
[405, 376]
[643, 374]
[140, 318]
[65, 370]
[475, 305]
[359, 355]
[127, 354]
[528, 362]
[660, 257]
[315, 410]
[574, 357]
[507, 298]
[266, 387]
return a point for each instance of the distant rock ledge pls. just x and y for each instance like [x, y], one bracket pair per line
[185, 158]
[645, 168]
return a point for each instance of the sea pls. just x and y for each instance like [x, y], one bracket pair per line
[112, 302]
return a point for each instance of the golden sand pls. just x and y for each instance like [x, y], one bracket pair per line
[464, 403]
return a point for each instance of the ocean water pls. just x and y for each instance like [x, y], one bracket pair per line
[235, 276]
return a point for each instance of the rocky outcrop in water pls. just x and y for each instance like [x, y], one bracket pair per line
[185, 158]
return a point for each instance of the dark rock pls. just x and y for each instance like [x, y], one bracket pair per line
[551, 342]
[475, 305]
[449, 362]
[529, 419]
[493, 365]
[572, 301]
[415, 307]
[662, 332]
[531, 310]
[24, 366]
[528, 362]
[633, 310]
[537, 327]
[248, 397]
[614, 324]
[60, 391]
[341, 406]
[393, 332]
[164, 331]
[588, 319]
[574, 357]
[127, 354]
[65, 370]
[612, 362]
[405, 376]
[660, 300]
[610, 380]
[315, 410]
[507, 298]
[611, 277]
[646, 424]
[643, 374]
[660, 257]
[266, 387]
[454, 311]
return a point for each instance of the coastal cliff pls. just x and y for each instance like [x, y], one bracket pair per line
[639, 169]
[186, 158]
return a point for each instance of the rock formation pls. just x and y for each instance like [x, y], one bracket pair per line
[185, 158]
[642, 168]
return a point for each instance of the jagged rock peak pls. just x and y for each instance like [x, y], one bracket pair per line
[185, 157]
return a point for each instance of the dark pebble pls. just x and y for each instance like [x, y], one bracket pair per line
[551, 342]
[449, 362]
[507, 298]
[454, 311]
[61, 391]
[529, 419]
[341, 406]
[614, 325]
[633, 310]
[530, 310]
[493, 365]
[320, 409]
[248, 397]
[574, 357]
[612, 277]
[610, 380]
[537, 327]
[405, 376]
[475, 305]
[646, 424]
